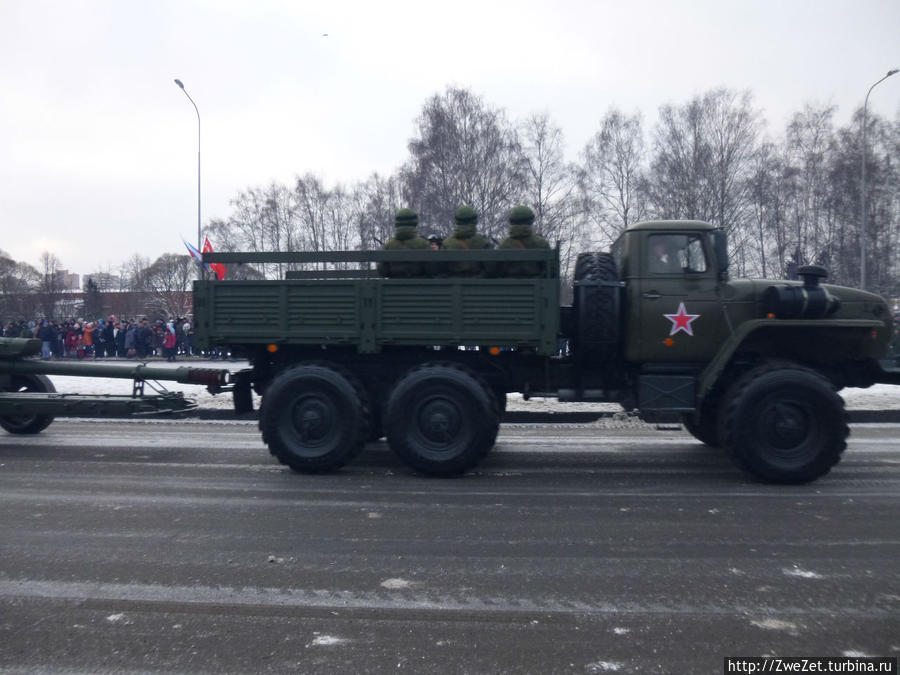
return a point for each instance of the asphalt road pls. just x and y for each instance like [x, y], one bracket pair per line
[183, 547]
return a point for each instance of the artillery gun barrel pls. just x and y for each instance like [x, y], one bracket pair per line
[209, 377]
[14, 361]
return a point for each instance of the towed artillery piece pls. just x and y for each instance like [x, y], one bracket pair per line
[29, 401]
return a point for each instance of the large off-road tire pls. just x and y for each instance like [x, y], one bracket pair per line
[596, 309]
[583, 262]
[704, 424]
[784, 423]
[441, 419]
[314, 417]
[28, 424]
[501, 399]
[704, 427]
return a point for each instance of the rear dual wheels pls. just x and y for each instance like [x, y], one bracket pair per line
[441, 419]
[314, 417]
[27, 424]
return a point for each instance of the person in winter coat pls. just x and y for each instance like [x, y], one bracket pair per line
[466, 239]
[169, 342]
[120, 338]
[144, 339]
[46, 334]
[131, 340]
[73, 334]
[88, 337]
[99, 336]
[405, 238]
[109, 336]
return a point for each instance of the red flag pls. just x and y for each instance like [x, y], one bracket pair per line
[218, 268]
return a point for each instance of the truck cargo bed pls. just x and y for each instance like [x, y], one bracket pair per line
[372, 313]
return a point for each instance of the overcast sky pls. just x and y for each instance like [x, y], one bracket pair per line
[98, 147]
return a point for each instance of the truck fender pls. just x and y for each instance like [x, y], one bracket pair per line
[715, 368]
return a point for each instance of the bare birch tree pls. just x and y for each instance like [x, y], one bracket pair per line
[464, 152]
[550, 187]
[169, 283]
[611, 176]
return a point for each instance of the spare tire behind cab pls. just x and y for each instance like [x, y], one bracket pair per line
[595, 305]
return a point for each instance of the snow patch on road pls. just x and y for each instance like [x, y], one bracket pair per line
[803, 574]
[326, 641]
[775, 624]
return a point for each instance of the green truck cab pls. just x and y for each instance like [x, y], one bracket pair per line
[341, 356]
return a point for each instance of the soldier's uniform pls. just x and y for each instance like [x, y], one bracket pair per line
[405, 237]
[464, 239]
[522, 236]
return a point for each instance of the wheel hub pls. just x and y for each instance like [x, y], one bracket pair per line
[439, 420]
[313, 419]
[785, 425]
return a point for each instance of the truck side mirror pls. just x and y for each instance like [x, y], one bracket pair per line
[721, 245]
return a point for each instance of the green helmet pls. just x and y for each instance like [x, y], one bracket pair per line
[406, 217]
[465, 215]
[521, 215]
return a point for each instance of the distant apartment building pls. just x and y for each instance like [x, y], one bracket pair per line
[104, 281]
[66, 281]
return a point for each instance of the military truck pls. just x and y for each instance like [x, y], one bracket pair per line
[341, 357]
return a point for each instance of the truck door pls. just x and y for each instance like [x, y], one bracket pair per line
[674, 312]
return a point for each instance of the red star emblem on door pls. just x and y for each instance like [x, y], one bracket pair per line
[681, 321]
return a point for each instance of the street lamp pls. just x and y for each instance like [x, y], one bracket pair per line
[863, 233]
[199, 245]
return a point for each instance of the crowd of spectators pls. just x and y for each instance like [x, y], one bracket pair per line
[109, 338]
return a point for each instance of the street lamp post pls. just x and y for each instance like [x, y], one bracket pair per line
[199, 244]
[863, 229]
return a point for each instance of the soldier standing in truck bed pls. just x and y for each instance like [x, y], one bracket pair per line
[405, 238]
[522, 236]
[465, 238]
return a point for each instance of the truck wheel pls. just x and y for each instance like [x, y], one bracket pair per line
[596, 309]
[582, 263]
[314, 418]
[704, 429]
[28, 424]
[501, 399]
[704, 424]
[784, 423]
[596, 267]
[441, 419]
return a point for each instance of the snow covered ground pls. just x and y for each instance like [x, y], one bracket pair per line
[877, 397]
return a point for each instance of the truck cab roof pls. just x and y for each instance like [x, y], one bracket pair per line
[672, 225]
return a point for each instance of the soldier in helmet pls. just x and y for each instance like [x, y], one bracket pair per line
[405, 237]
[522, 236]
[465, 239]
